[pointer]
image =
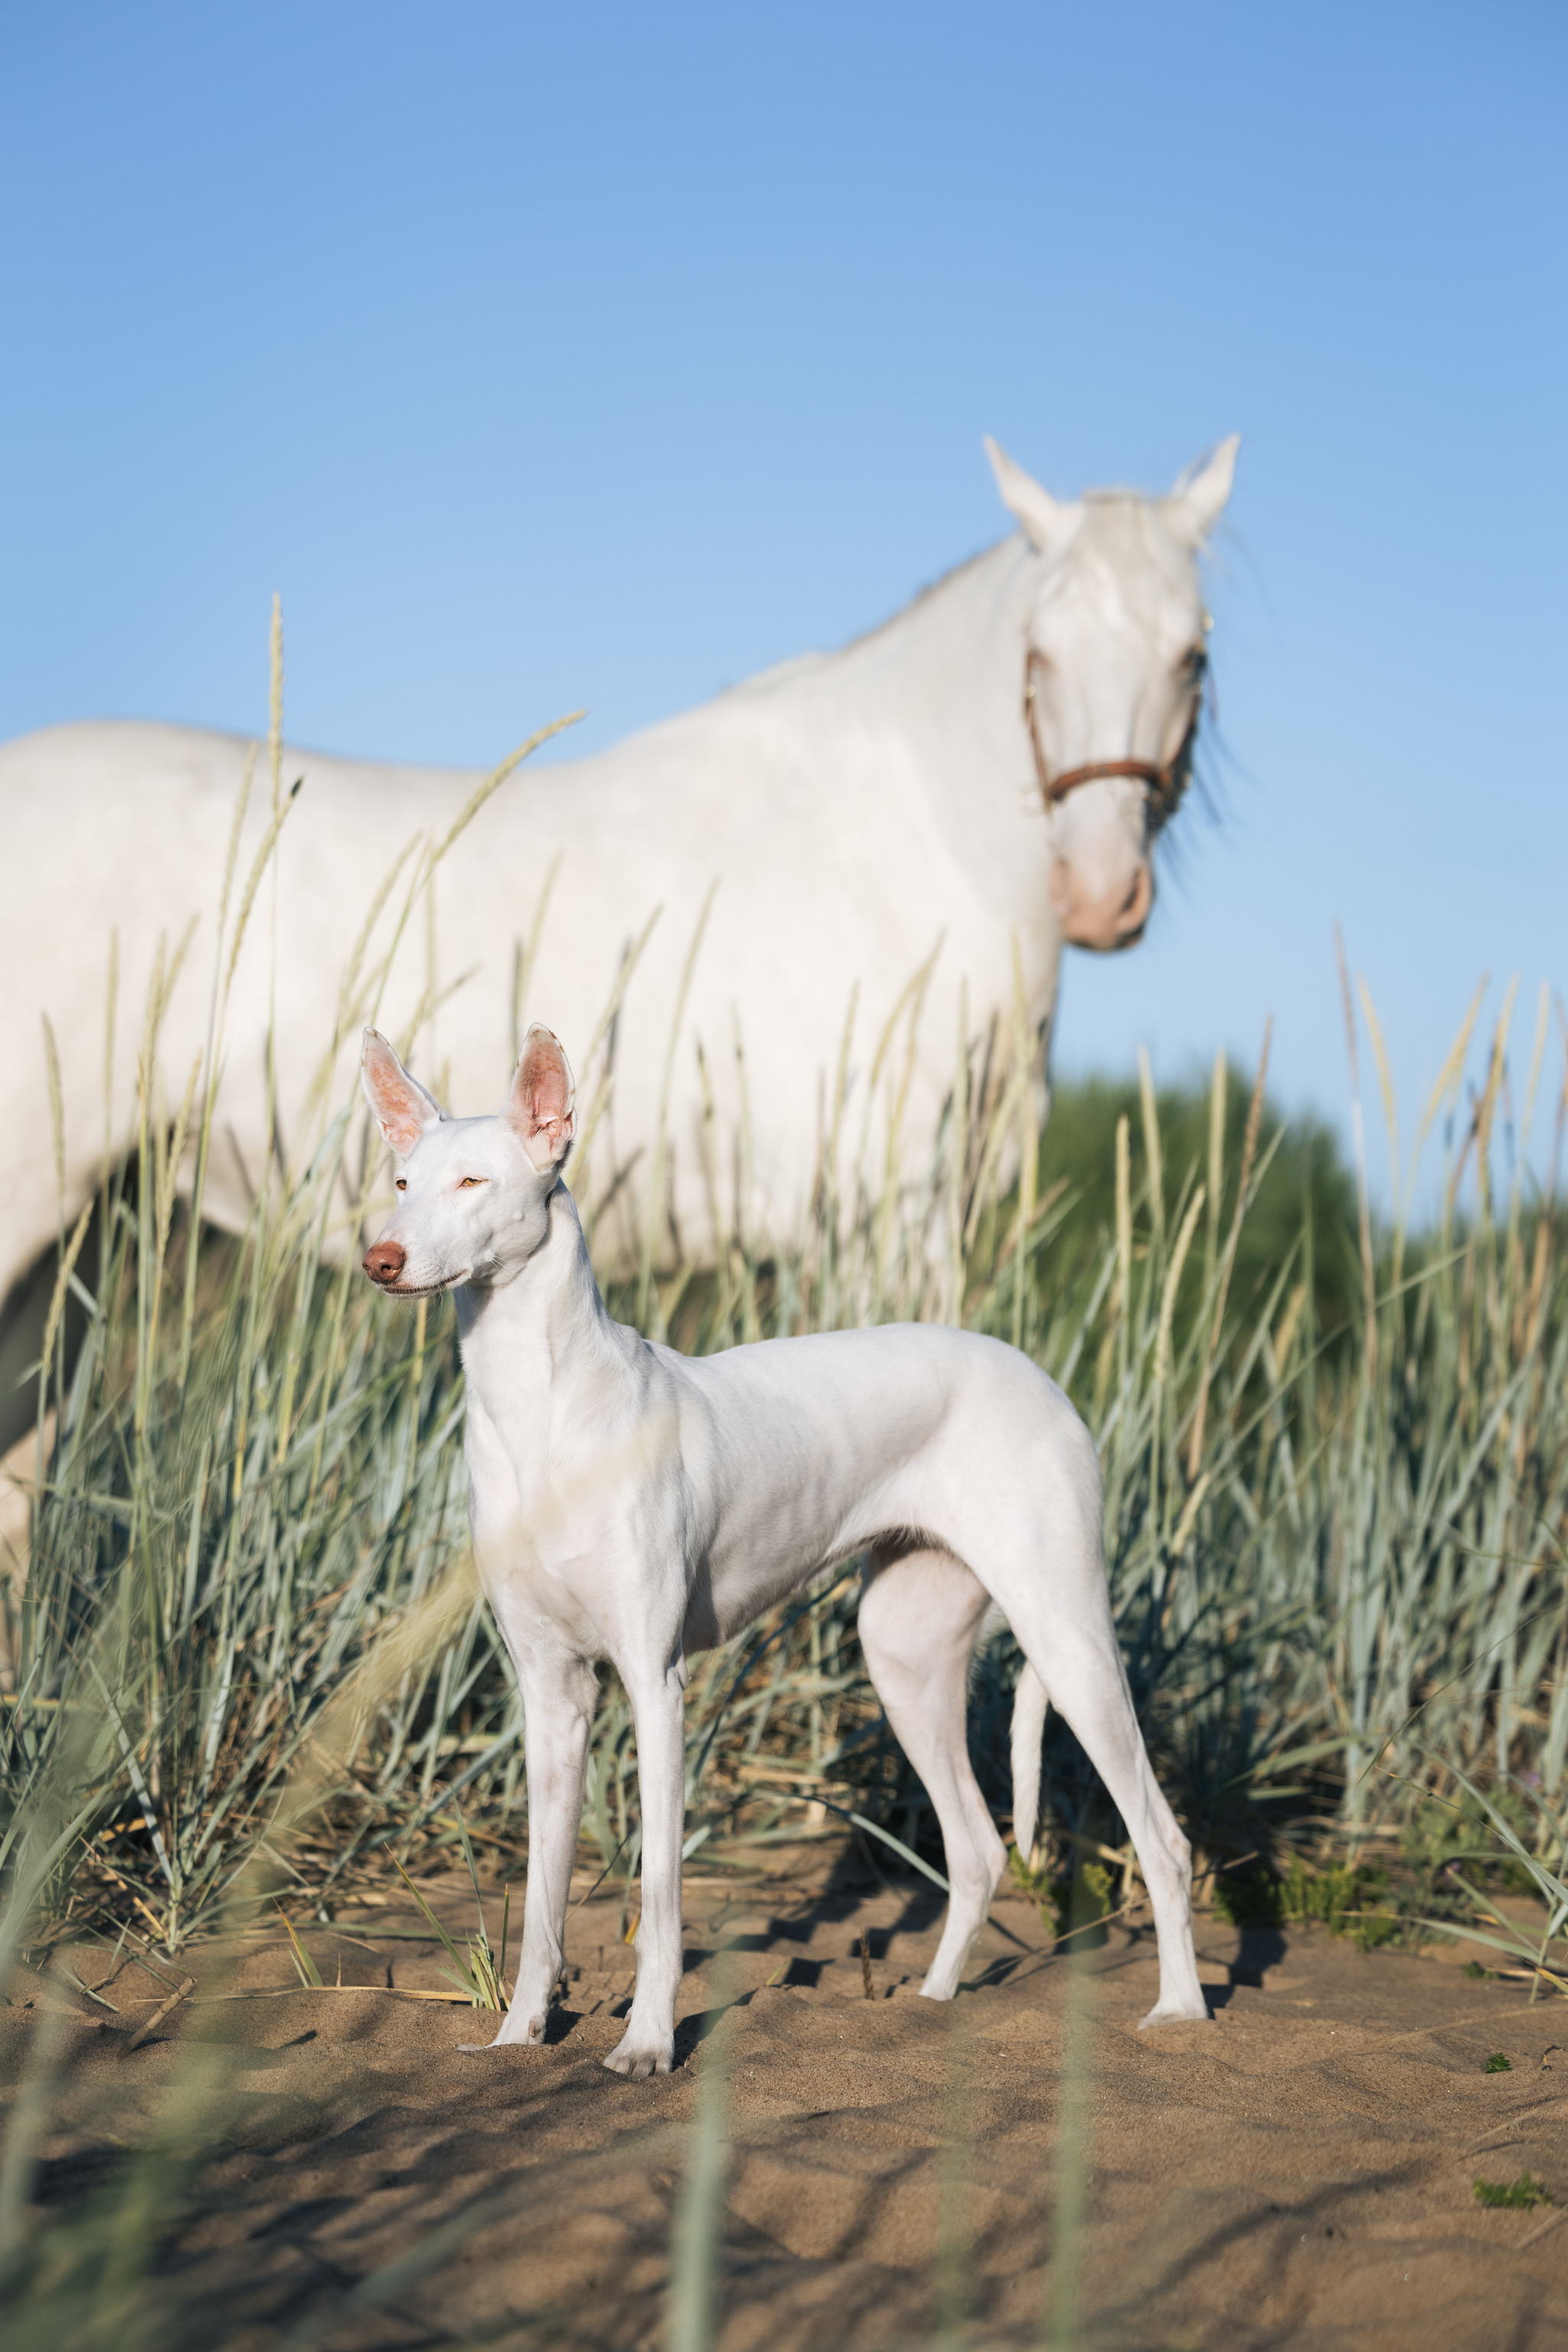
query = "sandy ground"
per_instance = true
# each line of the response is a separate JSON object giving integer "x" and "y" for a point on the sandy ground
{"x": 1298, "y": 2172}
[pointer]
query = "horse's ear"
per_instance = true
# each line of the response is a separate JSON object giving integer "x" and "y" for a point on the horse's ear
{"x": 540, "y": 1109}
{"x": 404, "y": 1111}
{"x": 1047, "y": 521}
{"x": 1198, "y": 499}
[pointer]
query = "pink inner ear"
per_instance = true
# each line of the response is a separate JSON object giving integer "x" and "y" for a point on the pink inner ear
{"x": 543, "y": 1088}
{"x": 400, "y": 1106}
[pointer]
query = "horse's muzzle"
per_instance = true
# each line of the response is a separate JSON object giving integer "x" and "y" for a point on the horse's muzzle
{"x": 1103, "y": 921}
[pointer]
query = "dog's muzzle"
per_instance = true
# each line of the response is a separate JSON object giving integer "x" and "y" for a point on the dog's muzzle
{"x": 385, "y": 1261}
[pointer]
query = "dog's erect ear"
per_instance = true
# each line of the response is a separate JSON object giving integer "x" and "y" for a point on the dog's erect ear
{"x": 539, "y": 1109}
{"x": 404, "y": 1111}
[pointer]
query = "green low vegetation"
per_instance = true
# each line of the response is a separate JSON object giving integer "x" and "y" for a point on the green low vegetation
{"x": 1521, "y": 2196}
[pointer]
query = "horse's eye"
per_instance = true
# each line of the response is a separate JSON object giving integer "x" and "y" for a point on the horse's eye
{"x": 1193, "y": 664}
{"x": 403, "y": 1184}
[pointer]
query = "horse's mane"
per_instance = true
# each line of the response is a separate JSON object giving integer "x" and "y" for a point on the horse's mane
{"x": 775, "y": 671}
{"x": 922, "y": 596}
{"x": 1114, "y": 535}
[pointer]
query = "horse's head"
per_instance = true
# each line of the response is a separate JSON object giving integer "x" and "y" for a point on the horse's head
{"x": 1113, "y": 676}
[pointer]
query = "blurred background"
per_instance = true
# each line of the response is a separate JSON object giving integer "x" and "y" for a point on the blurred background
{"x": 541, "y": 357}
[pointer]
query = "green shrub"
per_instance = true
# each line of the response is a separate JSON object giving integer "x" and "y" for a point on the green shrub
{"x": 1074, "y": 1901}
{"x": 1079, "y": 1901}
{"x": 1250, "y": 1899}
{"x": 1521, "y": 2195}
{"x": 1305, "y": 1178}
{"x": 1338, "y": 1896}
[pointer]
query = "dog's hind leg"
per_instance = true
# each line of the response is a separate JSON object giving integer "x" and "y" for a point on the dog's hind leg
{"x": 1088, "y": 1689}
{"x": 919, "y": 1613}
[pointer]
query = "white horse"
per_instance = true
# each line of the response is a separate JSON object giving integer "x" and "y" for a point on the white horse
{"x": 955, "y": 794}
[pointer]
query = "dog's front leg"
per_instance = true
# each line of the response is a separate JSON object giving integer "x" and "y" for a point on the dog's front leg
{"x": 558, "y": 1694}
{"x": 659, "y": 1704}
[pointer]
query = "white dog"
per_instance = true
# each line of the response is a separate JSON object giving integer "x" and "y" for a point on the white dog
{"x": 636, "y": 1505}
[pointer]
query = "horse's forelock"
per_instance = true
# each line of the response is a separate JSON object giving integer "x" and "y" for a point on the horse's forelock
{"x": 1124, "y": 537}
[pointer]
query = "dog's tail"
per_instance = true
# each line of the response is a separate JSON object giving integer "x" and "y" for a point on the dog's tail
{"x": 1030, "y": 1701}
{"x": 1031, "y": 1704}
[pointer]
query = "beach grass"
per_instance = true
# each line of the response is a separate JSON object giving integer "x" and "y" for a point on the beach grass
{"x": 248, "y": 1657}
{"x": 248, "y": 1664}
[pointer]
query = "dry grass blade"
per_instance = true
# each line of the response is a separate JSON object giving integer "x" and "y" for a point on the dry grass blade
{"x": 165, "y": 2009}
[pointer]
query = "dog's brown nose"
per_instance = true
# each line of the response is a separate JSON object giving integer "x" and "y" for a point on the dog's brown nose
{"x": 384, "y": 1261}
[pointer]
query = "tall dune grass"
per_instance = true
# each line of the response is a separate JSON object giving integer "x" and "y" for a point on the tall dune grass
{"x": 249, "y": 1656}
{"x": 248, "y": 1652}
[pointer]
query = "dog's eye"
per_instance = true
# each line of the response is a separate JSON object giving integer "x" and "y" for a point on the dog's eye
{"x": 403, "y": 1184}
{"x": 467, "y": 1183}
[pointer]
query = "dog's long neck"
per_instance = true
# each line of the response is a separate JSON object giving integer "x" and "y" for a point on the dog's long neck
{"x": 533, "y": 1345}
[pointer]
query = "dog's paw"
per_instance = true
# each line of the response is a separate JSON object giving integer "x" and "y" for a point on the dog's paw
{"x": 512, "y": 2030}
{"x": 1174, "y": 2015}
{"x": 638, "y": 2055}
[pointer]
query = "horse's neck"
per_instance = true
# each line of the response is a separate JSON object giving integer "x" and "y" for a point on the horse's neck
{"x": 928, "y": 710}
{"x": 946, "y": 673}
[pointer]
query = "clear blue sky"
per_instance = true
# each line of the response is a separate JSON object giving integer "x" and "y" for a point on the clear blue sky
{"x": 604, "y": 354}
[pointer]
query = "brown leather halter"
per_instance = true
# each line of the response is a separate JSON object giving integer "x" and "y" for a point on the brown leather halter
{"x": 1166, "y": 785}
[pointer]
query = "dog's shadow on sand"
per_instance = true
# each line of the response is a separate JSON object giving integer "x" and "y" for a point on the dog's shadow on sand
{"x": 1261, "y": 1948}
{"x": 849, "y": 1884}
{"x": 833, "y": 1905}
